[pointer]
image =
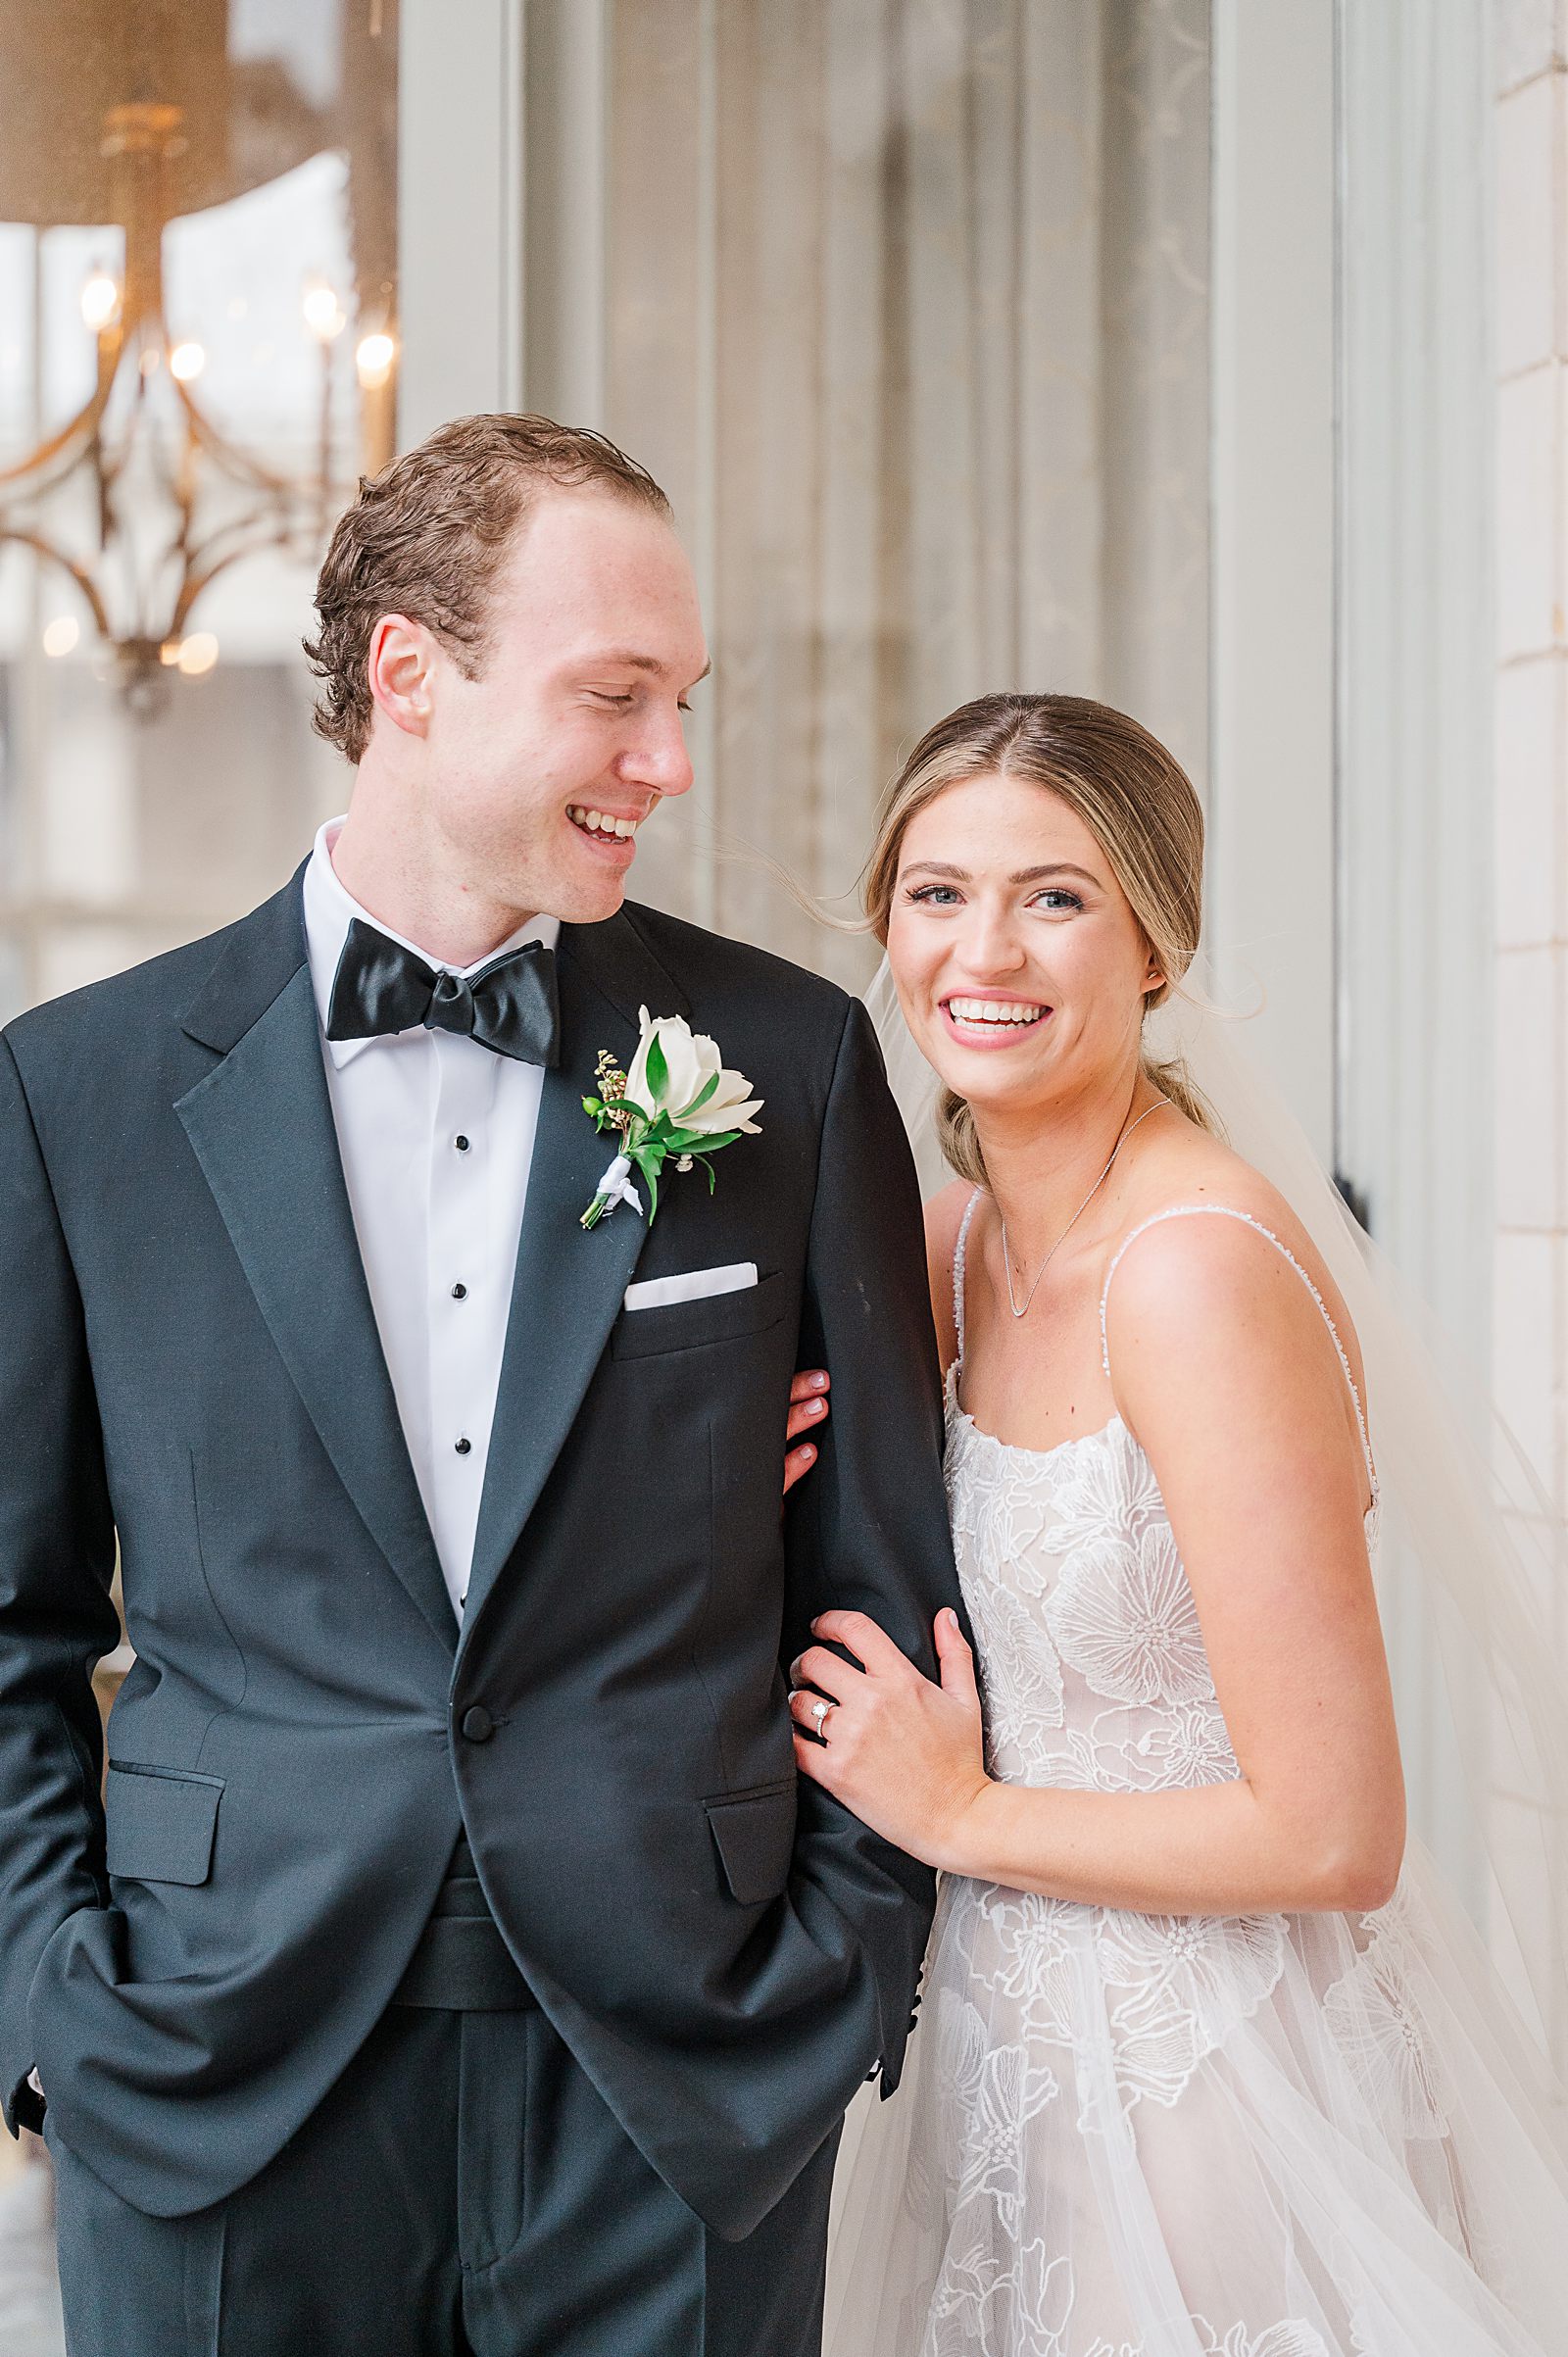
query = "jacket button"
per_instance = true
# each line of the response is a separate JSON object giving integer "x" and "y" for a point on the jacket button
{"x": 478, "y": 1724}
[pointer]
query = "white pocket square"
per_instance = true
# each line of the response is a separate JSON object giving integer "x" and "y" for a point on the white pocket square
{"x": 658, "y": 1293}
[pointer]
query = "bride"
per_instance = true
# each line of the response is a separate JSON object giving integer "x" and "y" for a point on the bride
{"x": 1206, "y": 2069}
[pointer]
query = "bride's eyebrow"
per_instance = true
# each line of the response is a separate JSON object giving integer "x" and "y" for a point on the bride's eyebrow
{"x": 1025, "y": 875}
{"x": 1055, "y": 867}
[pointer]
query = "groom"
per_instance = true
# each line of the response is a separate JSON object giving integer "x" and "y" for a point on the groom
{"x": 455, "y": 1963}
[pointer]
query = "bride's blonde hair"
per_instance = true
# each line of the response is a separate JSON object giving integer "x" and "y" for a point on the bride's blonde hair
{"x": 1134, "y": 797}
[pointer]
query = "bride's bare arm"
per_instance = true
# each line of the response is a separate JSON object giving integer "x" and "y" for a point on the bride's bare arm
{"x": 1227, "y": 1375}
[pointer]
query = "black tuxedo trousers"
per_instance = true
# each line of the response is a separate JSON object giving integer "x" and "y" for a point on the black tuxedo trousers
{"x": 189, "y": 1366}
{"x": 462, "y": 2190}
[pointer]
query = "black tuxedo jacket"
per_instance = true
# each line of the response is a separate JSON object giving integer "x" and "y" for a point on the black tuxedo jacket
{"x": 189, "y": 1363}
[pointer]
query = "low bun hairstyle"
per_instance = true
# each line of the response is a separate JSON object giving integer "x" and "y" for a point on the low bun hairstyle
{"x": 1135, "y": 799}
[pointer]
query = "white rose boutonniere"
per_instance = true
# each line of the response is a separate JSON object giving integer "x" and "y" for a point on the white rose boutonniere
{"x": 678, "y": 1098}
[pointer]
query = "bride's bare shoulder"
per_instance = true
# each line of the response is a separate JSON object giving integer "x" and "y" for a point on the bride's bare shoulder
{"x": 1212, "y": 1261}
{"x": 1190, "y": 1170}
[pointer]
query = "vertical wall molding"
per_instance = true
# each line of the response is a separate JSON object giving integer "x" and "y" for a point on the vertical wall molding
{"x": 1528, "y": 1103}
{"x": 1415, "y": 722}
{"x": 1414, "y": 628}
{"x": 1271, "y": 874}
{"x": 460, "y": 210}
{"x": 564, "y": 207}
{"x": 1530, "y": 1337}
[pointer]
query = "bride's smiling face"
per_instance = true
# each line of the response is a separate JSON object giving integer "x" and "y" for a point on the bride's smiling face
{"x": 1020, "y": 966}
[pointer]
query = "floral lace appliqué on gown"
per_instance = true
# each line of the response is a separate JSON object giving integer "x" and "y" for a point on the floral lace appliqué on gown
{"x": 1124, "y": 2134}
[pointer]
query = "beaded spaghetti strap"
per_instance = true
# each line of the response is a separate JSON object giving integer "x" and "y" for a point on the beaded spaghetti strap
{"x": 1226, "y": 1211}
{"x": 958, "y": 1252}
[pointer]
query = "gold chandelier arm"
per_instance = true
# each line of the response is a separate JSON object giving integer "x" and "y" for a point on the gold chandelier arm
{"x": 195, "y": 565}
{"x": 259, "y": 526}
{"x": 198, "y": 582}
{"x": 227, "y": 453}
{"x": 74, "y": 436}
{"x": 46, "y": 549}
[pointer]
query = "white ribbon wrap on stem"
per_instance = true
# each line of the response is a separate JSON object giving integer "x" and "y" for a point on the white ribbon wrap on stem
{"x": 616, "y": 1187}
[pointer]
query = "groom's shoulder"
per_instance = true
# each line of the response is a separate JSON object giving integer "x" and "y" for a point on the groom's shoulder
{"x": 132, "y": 1010}
{"x": 732, "y": 979}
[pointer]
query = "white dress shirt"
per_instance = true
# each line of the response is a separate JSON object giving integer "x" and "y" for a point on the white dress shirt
{"x": 436, "y": 1136}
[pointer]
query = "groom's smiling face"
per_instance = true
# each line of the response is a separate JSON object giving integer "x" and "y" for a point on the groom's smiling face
{"x": 542, "y": 769}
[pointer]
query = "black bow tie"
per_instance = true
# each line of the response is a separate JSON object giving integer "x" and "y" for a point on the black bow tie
{"x": 511, "y": 1005}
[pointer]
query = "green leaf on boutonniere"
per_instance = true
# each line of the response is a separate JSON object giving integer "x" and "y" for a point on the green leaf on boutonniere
{"x": 702, "y": 1095}
{"x": 658, "y": 1069}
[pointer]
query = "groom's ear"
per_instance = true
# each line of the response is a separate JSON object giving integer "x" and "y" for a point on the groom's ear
{"x": 400, "y": 666}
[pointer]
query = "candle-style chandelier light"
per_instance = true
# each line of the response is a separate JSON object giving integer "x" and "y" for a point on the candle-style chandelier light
{"x": 141, "y": 498}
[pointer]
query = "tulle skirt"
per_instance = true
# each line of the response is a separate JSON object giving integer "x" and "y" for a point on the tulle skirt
{"x": 1132, "y": 2135}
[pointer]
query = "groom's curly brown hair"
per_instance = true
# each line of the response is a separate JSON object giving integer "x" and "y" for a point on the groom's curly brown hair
{"x": 426, "y": 537}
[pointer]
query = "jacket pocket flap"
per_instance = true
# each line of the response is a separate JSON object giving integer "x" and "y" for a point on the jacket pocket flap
{"x": 756, "y": 1841}
{"x": 160, "y": 1823}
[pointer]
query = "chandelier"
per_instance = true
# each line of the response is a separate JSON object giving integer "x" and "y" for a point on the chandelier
{"x": 141, "y": 498}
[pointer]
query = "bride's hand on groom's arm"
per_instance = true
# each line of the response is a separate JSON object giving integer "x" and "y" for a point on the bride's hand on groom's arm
{"x": 905, "y": 1753}
{"x": 807, "y": 1409}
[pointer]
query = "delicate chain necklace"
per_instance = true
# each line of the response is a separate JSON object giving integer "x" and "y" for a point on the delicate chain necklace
{"x": 1007, "y": 1256}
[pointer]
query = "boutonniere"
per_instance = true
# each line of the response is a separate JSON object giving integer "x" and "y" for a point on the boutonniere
{"x": 678, "y": 1098}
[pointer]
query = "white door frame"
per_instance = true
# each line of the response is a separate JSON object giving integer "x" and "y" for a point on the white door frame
{"x": 1271, "y": 882}
{"x": 1350, "y": 806}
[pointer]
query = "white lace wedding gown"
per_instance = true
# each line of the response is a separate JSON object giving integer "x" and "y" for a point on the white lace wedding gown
{"x": 1152, "y": 2135}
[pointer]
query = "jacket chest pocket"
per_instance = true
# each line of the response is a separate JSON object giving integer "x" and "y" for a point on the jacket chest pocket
{"x": 161, "y": 1822}
{"x": 713, "y": 1319}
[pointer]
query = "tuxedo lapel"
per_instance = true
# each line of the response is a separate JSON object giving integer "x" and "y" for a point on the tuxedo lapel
{"x": 261, "y": 1126}
{"x": 568, "y": 1281}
